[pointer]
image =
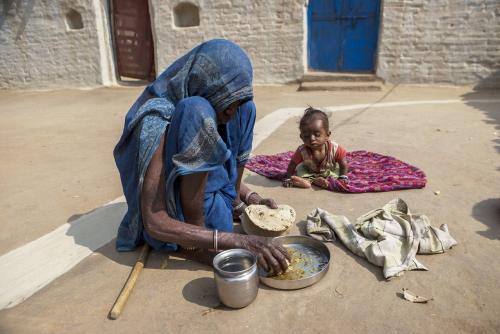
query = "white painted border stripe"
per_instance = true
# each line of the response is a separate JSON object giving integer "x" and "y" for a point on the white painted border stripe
{"x": 29, "y": 268}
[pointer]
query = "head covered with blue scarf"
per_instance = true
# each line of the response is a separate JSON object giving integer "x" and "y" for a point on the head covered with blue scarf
{"x": 182, "y": 105}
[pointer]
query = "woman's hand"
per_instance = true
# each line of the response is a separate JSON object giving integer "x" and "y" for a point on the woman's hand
{"x": 270, "y": 257}
{"x": 255, "y": 198}
{"x": 238, "y": 210}
{"x": 269, "y": 202}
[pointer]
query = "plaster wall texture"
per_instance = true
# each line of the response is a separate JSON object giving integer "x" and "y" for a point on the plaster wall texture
{"x": 39, "y": 51}
{"x": 270, "y": 31}
{"x": 440, "y": 41}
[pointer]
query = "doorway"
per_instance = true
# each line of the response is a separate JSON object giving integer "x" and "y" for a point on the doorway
{"x": 133, "y": 40}
{"x": 343, "y": 35}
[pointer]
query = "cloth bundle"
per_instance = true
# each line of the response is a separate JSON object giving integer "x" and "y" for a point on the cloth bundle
{"x": 389, "y": 237}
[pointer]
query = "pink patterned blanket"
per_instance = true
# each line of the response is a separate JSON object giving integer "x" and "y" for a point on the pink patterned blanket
{"x": 368, "y": 172}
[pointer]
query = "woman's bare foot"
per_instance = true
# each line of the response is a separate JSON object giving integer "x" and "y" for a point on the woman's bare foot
{"x": 321, "y": 182}
{"x": 300, "y": 182}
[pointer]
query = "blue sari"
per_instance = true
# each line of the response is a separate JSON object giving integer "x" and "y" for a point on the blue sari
{"x": 182, "y": 105}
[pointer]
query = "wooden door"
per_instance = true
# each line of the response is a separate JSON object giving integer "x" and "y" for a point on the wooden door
{"x": 133, "y": 39}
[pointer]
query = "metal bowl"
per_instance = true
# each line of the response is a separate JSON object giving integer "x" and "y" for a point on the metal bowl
{"x": 314, "y": 249}
{"x": 236, "y": 279}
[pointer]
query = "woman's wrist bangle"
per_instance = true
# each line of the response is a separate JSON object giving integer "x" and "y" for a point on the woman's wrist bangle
{"x": 238, "y": 206}
{"x": 216, "y": 240}
{"x": 343, "y": 177}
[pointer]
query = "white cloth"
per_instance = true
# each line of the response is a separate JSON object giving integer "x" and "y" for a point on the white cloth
{"x": 389, "y": 237}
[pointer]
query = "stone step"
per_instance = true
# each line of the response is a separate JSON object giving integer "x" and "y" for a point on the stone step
{"x": 316, "y": 76}
{"x": 340, "y": 86}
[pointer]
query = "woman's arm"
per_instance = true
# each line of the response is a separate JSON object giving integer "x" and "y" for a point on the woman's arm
{"x": 251, "y": 197}
{"x": 247, "y": 196}
{"x": 155, "y": 218}
{"x": 162, "y": 227}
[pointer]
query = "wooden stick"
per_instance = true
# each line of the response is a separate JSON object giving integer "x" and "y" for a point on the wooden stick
{"x": 129, "y": 284}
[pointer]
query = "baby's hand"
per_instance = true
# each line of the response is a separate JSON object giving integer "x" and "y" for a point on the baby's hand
{"x": 343, "y": 178}
{"x": 287, "y": 183}
{"x": 343, "y": 183}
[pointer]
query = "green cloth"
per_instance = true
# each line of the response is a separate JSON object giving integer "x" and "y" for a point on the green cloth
{"x": 389, "y": 237}
{"x": 305, "y": 173}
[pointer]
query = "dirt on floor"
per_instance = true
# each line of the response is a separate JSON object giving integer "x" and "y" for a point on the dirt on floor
{"x": 57, "y": 164}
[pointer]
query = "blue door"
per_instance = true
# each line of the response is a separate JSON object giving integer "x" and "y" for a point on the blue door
{"x": 342, "y": 34}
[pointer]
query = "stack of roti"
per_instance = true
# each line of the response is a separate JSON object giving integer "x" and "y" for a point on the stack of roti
{"x": 266, "y": 222}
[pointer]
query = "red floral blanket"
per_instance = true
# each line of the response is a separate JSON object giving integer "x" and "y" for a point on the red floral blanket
{"x": 368, "y": 172}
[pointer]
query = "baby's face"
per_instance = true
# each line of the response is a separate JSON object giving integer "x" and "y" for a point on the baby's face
{"x": 313, "y": 134}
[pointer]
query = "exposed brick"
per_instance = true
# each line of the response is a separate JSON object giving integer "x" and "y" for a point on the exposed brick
{"x": 421, "y": 41}
{"x": 456, "y": 41}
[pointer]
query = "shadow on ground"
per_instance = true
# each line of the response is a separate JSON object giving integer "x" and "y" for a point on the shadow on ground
{"x": 488, "y": 213}
{"x": 487, "y": 89}
{"x": 488, "y": 210}
{"x": 261, "y": 181}
{"x": 106, "y": 219}
{"x": 201, "y": 291}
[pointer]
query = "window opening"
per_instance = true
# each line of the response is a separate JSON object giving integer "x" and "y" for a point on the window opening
{"x": 74, "y": 20}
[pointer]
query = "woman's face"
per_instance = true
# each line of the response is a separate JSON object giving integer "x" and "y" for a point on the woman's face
{"x": 226, "y": 115}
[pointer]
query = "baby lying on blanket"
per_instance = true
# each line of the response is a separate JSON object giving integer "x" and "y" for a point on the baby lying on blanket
{"x": 319, "y": 158}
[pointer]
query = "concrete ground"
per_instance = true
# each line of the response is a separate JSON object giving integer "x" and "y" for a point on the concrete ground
{"x": 57, "y": 165}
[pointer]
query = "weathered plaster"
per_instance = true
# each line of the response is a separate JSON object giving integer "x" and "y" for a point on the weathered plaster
{"x": 270, "y": 31}
{"x": 39, "y": 51}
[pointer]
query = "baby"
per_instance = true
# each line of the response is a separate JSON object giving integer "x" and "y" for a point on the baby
{"x": 317, "y": 159}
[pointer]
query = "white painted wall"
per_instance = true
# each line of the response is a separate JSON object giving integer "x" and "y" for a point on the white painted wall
{"x": 270, "y": 31}
{"x": 39, "y": 51}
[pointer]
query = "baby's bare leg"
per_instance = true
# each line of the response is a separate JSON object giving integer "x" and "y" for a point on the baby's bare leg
{"x": 321, "y": 182}
{"x": 300, "y": 182}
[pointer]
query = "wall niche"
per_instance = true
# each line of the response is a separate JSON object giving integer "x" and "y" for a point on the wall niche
{"x": 186, "y": 15}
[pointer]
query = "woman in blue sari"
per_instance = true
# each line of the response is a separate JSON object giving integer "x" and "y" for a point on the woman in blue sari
{"x": 181, "y": 157}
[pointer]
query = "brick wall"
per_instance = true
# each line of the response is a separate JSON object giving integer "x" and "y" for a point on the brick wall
{"x": 440, "y": 41}
{"x": 421, "y": 41}
{"x": 37, "y": 50}
{"x": 270, "y": 31}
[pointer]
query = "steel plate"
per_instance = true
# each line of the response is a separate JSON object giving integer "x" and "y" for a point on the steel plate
{"x": 316, "y": 268}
